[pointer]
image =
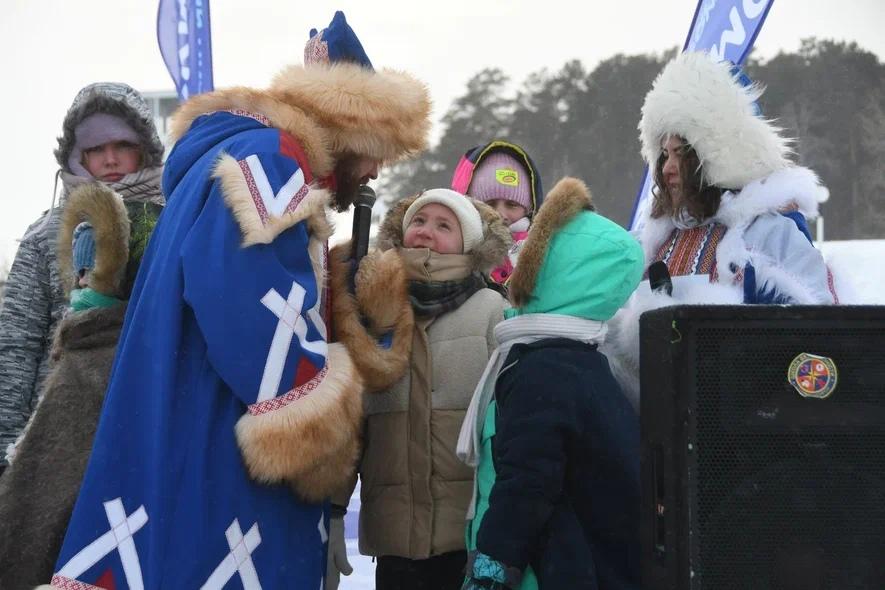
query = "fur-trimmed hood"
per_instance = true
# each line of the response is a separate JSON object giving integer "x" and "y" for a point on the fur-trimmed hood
{"x": 331, "y": 110}
{"x": 704, "y": 102}
{"x": 104, "y": 209}
{"x": 474, "y": 157}
{"x": 496, "y": 239}
{"x": 567, "y": 199}
{"x": 113, "y": 98}
{"x": 574, "y": 261}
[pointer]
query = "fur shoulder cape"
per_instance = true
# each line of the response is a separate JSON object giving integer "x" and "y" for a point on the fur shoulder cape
{"x": 335, "y": 109}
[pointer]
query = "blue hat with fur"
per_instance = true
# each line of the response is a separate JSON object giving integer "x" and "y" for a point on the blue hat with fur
{"x": 336, "y": 43}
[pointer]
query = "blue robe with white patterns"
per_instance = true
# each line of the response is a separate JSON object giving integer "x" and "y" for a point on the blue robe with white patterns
{"x": 215, "y": 330}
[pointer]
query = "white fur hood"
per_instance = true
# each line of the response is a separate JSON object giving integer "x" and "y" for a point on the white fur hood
{"x": 710, "y": 106}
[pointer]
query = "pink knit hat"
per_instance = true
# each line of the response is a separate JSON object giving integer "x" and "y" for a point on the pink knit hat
{"x": 501, "y": 176}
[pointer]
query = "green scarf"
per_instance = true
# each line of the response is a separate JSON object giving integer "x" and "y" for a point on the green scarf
{"x": 83, "y": 299}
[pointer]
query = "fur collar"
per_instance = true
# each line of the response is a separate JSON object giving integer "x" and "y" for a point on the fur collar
{"x": 569, "y": 197}
{"x": 791, "y": 187}
{"x": 485, "y": 256}
{"x": 331, "y": 110}
{"x": 104, "y": 209}
{"x": 283, "y": 116}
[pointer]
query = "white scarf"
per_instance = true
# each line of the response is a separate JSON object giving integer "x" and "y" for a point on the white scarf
{"x": 522, "y": 329}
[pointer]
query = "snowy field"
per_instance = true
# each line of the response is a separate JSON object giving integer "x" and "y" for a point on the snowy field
{"x": 863, "y": 261}
{"x": 363, "y": 576}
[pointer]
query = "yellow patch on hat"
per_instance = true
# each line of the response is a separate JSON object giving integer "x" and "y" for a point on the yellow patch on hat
{"x": 507, "y": 176}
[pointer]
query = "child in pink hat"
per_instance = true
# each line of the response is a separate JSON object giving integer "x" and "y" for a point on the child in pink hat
{"x": 502, "y": 175}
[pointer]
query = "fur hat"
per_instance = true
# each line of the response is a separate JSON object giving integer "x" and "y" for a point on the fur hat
{"x": 468, "y": 216}
{"x": 501, "y": 176}
{"x": 714, "y": 109}
{"x": 95, "y": 130}
{"x": 333, "y": 107}
{"x": 381, "y": 114}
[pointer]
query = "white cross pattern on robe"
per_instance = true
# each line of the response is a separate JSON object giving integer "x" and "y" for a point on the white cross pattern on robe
{"x": 290, "y": 322}
{"x": 275, "y": 203}
{"x": 119, "y": 538}
{"x": 239, "y": 560}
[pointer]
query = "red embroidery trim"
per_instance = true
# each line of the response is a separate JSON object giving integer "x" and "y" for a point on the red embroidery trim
{"x": 66, "y": 583}
{"x": 292, "y": 395}
{"x": 253, "y": 190}
{"x": 296, "y": 200}
{"x": 244, "y": 113}
{"x": 692, "y": 251}
{"x": 831, "y": 285}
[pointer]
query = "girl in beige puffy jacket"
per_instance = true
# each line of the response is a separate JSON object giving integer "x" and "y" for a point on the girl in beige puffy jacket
{"x": 415, "y": 492}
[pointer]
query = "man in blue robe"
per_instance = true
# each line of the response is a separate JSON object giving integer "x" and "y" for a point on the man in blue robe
{"x": 230, "y": 416}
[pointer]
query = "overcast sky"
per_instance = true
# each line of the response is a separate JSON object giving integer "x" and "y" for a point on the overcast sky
{"x": 52, "y": 48}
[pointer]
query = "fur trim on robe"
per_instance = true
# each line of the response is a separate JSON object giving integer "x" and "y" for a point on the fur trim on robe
{"x": 312, "y": 442}
{"x": 382, "y": 298}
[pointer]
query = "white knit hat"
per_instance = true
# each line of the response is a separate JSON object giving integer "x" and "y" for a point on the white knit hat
{"x": 461, "y": 206}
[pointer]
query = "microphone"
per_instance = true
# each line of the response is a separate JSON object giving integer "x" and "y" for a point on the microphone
{"x": 659, "y": 277}
{"x": 362, "y": 221}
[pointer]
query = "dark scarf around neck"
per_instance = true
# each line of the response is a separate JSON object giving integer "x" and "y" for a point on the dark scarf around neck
{"x": 439, "y": 283}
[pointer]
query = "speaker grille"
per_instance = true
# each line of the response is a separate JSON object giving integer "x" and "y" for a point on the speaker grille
{"x": 792, "y": 491}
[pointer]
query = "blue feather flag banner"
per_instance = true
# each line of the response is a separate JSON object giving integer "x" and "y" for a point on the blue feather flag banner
{"x": 185, "y": 40}
{"x": 726, "y": 29}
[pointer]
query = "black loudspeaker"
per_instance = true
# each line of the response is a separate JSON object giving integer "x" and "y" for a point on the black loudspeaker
{"x": 763, "y": 448}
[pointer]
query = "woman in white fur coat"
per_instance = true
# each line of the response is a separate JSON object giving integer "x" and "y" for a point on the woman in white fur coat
{"x": 729, "y": 209}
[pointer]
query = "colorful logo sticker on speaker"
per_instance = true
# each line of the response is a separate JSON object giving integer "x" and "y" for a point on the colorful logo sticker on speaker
{"x": 813, "y": 376}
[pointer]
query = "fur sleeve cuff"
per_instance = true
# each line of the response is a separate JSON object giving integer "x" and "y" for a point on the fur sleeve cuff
{"x": 382, "y": 298}
{"x": 312, "y": 441}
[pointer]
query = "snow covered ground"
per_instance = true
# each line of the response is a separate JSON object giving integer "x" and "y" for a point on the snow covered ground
{"x": 862, "y": 261}
{"x": 363, "y": 576}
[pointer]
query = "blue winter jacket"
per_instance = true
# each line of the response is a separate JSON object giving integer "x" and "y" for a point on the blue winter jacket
{"x": 566, "y": 495}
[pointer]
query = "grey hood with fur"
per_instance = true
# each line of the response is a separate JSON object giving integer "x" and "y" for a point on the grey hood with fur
{"x": 114, "y": 98}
